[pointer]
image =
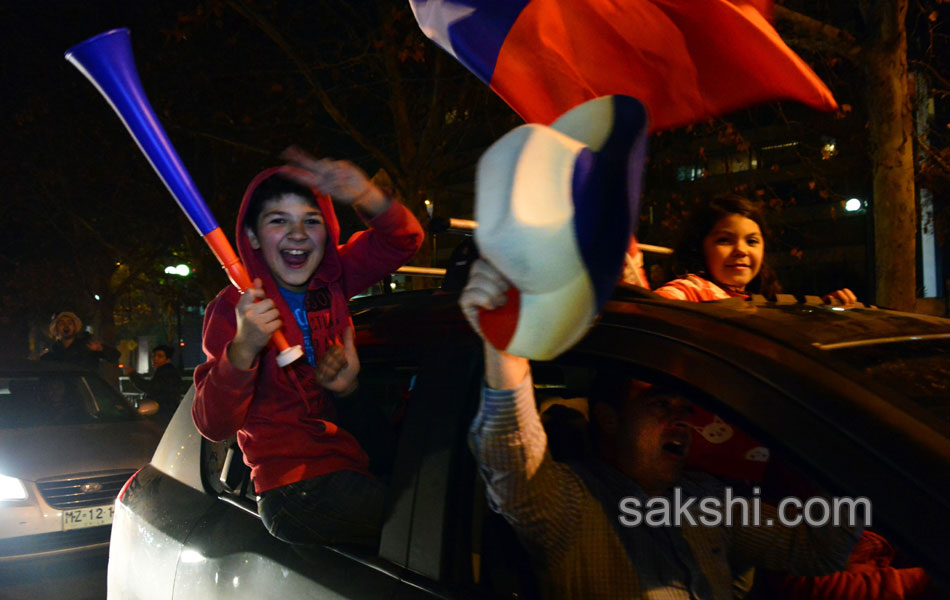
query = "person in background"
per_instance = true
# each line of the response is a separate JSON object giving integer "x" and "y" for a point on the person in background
{"x": 722, "y": 255}
{"x": 76, "y": 346}
{"x": 164, "y": 387}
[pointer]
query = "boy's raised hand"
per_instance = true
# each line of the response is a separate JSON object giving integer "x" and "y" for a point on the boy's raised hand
{"x": 340, "y": 179}
{"x": 257, "y": 319}
{"x": 338, "y": 368}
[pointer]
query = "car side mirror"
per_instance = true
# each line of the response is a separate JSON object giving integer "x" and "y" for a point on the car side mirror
{"x": 147, "y": 408}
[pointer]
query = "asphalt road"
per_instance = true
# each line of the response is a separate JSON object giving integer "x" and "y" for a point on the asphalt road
{"x": 63, "y": 579}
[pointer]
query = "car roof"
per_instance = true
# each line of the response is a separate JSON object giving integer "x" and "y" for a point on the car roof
{"x": 802, "y": 348}
{"x": 22, "y": 365}
{"x": 800, "y": 323}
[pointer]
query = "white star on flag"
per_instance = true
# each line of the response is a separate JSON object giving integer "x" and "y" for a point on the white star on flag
{"x": 435, "y": 17}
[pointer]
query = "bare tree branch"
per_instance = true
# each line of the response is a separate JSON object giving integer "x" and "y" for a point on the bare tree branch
{"x": 813, "y": 34}
{"x": 933, "y": 155}
{"x": 435, "y": 116}
{"x": 405, "y": 140}
{"x": 933, "y": 73}
{"x": 264, "y": 25}
{"x": 221, "y": 140}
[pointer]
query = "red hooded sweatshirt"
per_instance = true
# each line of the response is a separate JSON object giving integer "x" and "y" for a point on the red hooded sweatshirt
{"x": 287, "y": 436}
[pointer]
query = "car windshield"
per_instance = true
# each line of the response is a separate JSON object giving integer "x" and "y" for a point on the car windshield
{"x": 49, "y": 399}
{"x": 918, "y": 370}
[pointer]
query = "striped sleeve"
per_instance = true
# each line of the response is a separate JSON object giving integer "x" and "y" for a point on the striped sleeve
{"x": 538, "y": 496}
{"x": 672, "y": 291}
{"x": 798, "y": 550}
{"x": 693, "y": 289}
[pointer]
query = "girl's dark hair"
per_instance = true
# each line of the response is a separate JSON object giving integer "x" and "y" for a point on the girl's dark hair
{"x": 269, "y": 189}
{"x": 689, "y": 257}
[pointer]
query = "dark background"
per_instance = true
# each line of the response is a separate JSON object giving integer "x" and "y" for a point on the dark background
{"x": 236, "y": 81}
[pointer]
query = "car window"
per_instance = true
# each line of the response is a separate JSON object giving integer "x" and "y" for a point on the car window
{"x": 373, "y": 415}
{"x": 724, "y": 451}
{"x": 42, "y": 400}
{"x": 501, "y": 564}
{"x": 918, "y": 370}
{"x": 107, "y": 403}
{"x": 224, "y": 469}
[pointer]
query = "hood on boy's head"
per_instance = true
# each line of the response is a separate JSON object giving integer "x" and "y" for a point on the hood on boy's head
{"x": 330, "y": 267}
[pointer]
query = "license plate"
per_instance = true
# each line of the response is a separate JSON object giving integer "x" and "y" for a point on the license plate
{"x": 88, "y": 517}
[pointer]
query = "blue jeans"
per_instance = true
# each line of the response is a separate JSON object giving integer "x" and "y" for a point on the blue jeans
{"x": 343, "y": 507}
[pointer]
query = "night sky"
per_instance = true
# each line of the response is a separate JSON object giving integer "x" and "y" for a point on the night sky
{"x": 80, "y": 196}
{"x": 230, "y": 98}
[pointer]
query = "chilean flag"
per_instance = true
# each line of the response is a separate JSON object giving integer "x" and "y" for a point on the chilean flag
{"x": 686, "y": 60}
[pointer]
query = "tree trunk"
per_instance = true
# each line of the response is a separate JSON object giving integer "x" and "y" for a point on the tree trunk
{"x": 892, "y": 159}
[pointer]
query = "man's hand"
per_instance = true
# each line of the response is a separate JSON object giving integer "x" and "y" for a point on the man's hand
{"x": 338, "y": 368}
{"x": 94, "y": 345}
{"x": 257, "y": 319}
{"x": 341, "y": 179}
{"x": 842, "y": 296}
{"x": 486, "y": 290}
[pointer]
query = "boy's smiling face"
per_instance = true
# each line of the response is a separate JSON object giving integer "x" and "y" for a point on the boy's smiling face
{"x": 291, "y": 234}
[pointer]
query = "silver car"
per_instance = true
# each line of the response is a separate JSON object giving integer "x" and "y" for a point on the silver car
{"x": 68, "y": 443}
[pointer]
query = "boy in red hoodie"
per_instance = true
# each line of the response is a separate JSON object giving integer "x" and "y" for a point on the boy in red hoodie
{"x": 310, "y": 475}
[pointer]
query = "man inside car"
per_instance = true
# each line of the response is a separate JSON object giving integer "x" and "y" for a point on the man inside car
{"x": 570, "y": 516}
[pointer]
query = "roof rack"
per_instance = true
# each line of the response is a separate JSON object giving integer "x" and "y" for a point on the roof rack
{"x": 467, "y": 227}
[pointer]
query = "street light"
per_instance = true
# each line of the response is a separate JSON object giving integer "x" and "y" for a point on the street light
{"x": 181, "y": 270}
{"x": 853, "y": 205}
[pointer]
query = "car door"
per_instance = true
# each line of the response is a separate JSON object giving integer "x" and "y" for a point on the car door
{"x": 425, "y": 388}
{"x": 228, "y": 553}
{"x": 439, "y": 506}
{"x": 819, "y": 417}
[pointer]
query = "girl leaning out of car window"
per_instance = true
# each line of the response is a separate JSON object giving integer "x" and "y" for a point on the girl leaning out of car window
{"x": 722, "y": 255}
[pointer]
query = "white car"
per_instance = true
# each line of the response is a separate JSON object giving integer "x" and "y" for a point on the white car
{"x": 68, "y": 443}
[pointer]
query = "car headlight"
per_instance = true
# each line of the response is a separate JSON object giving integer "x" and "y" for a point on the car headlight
{"x": 11, "y": 488}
